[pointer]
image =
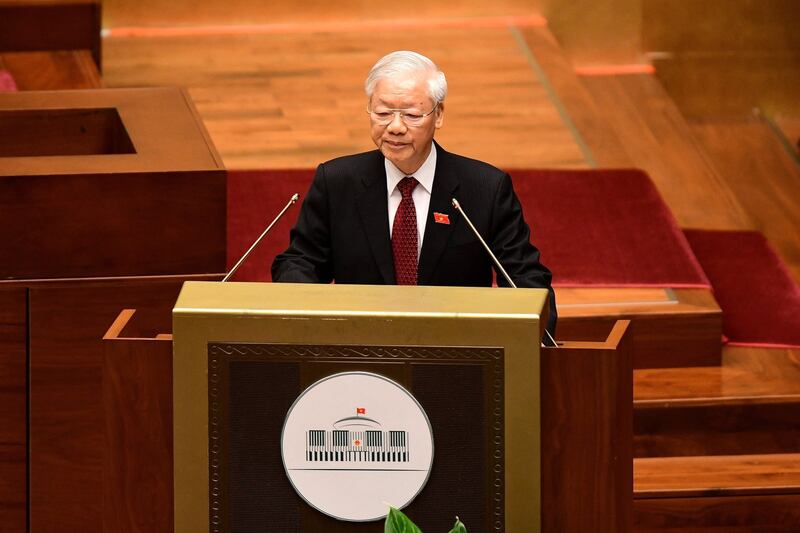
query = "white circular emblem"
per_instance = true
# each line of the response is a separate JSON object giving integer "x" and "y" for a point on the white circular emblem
{"x": 354, "y": 442}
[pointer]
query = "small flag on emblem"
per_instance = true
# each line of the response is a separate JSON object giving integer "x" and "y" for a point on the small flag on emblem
{"x": 441, "y": 218}
{"x": 357, "y": 443}
{"x": 361, "y": 411}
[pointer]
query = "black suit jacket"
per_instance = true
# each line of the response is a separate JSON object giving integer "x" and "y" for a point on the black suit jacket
{"x": 342, "y": 232}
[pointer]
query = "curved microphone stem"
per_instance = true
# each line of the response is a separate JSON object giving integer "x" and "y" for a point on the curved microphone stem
{"x": 488, "y": 250}
{"x": 292, "y": 200}
{"x": 494, "y": 258}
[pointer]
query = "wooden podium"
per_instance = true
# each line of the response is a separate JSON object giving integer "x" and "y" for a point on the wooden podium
{"x": 564, "y": 426}
{"x": 243, "y": 353}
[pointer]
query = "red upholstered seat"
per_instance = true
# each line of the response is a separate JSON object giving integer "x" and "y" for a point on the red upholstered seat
{"x": 593, "y": 227}
{"x": 7, "y": 82}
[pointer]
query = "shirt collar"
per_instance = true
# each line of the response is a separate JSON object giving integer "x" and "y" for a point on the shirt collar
{"x": 424, "y": 174}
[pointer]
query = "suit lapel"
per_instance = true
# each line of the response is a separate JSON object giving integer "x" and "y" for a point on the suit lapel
{"x": 445, "y": 183}
{"x": 373, "y": 209}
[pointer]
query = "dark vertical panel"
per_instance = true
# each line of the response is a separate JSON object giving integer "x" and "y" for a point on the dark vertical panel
{"x": 261, "y": 498}
{"x": 84, "y": 225}
{"x": 13, "y": 424}
{"x": 587, "y": 439}
{"x": 137, "y": 459}
{"x": 453, "y": 397}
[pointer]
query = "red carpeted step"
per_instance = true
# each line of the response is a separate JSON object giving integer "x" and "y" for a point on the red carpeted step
{"x": 606, "y": 228}
{"x": 759, "y": 299}
{"x": 593, "y": 227}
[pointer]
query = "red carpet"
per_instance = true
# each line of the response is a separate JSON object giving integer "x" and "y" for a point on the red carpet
{"x": 593, "y": 227}
{"x": 7, "y": 82}
{"x": 759, "y": 299}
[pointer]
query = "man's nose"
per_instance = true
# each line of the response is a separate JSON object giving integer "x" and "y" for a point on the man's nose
{"x": 396, "y": 125}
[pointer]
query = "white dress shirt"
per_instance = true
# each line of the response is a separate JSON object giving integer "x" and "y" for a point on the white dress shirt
{"x": 421, "y": 194}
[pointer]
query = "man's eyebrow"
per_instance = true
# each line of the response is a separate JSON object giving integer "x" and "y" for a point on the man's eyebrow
{"x": 383, "y": 103}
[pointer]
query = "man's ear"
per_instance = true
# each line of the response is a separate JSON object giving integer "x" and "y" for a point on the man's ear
{"x": 439, "y": 115}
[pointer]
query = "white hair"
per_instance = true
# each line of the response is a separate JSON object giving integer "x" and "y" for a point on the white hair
{"x": 406, "y": 62}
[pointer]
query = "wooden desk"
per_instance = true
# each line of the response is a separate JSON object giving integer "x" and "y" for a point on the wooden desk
{"x": 106, "y": 197}
{"x": 108, "y": 182}
{"x": 46, "y": 25}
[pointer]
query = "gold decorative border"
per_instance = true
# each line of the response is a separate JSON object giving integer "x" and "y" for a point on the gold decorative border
{"x": 221, "y": 354}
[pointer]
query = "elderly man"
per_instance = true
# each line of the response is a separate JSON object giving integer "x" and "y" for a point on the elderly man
{"x": 385, "y": 216}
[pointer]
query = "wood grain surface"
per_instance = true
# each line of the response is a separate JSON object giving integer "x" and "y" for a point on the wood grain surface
{"x": 586, "y": 427}
{"x": 731, "y": 514}
{"x": 293, "y": 100}
{"x": 55, "y": 70}
{"x": 655, "y": 477}
{"x": 681, "y": 328}
{"x": 13, "y": 408}
{"x": 763, "y": 176}
{"x": 67, "y": 425}
{"x": 50, "y": 25}
{"x": 790, "y": 128}
{"x": 137, "y": 453}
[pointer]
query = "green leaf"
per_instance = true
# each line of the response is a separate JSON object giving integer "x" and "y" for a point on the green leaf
{"x": 459, "y": 527}
{"x": 397, "y": 522}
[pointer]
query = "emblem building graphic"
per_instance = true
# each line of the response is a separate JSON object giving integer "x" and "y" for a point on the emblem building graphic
{"x": 358, "y": 430}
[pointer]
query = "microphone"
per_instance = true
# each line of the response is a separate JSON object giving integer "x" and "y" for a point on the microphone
{"x": 494, "y": 258}
{"x": 292, "y": 200}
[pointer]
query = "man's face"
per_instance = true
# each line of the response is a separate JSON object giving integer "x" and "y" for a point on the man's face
{"x": 404, "y": 145}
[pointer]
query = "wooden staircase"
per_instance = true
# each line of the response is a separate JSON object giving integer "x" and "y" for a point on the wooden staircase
{"x": 716, "y": 444}
{"x": 719, "y": 447}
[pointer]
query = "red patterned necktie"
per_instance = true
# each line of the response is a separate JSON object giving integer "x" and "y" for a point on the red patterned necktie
{"x": 404, "y": 235}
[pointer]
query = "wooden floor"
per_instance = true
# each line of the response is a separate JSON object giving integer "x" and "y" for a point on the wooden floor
{"x": 294, "y": 99}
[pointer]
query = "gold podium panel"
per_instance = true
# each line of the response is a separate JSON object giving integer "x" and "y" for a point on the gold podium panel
{"x": 243, "y": 352}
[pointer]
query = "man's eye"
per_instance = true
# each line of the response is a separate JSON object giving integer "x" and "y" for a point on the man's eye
{"x": 413, "y": 116}
{"x": 383, "y": 114}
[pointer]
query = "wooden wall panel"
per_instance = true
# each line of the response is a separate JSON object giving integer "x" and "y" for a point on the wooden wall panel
{"x": 587, "y": 421}
{"x": 112, "y": 225}
{"x": 67, "y": 324}
{"x": 137, "y": 461}
{"x": 13, "y": 409}
{"x": 593, "y": 32}
{"x": 50, "y": 25}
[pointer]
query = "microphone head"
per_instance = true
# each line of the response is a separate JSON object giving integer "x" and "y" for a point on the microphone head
{"x": 456, "y": 204}
{"x": 294, "y": 198}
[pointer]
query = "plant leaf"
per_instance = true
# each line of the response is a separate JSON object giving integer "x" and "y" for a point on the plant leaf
{"x": 398, "y": 522}
{"x": 459, "y": 527}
